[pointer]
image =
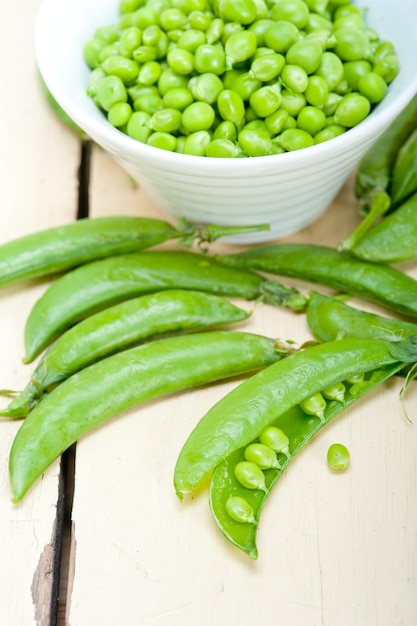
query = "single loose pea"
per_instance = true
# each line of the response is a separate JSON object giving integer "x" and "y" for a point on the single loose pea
{"x": 138, "y": 126}
{"x": 110, "y": 91}
{"x": 255, "y": 142}
{"x": 281, "y": 35}
{"x": 198, "y": 116}
{"x": 196, "y": 143}
{"x": 119, "y": 114}
{"x": 294, "y": 11}
{"x": 250, "y": 475}
{"x": 240, "y": 46}
{"x": 267, "y": 67}
{"x": 206, "y": 87}
{"x": 265, "y": 100}
{"x": 275, "y": 438}
{"x": 210, "y": 58}
{"x": 338, "y": 457}
{"x": 315, "y": 405}
{"x": 311, "y": 119}
{"x": 373, "y": 87}
{"x": 261, "y": 455}
{"x": 294, "y": 78}
{"x": 231, "y": 106}
{"x": 352, "y": 109}
{"x": 126, "y": 69}
{"x": 240, "y": 510}
{"x": 222, "y": 148}
{"x": 335, "y": 392}
{"x": 383, "y": 49}
{"x": 305, "y": 53}
{"x": 164, "y": 141}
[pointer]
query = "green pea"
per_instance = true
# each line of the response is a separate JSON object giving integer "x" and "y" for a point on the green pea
{"x": 281, "y": 35}
{"x": 290, "y": 122}
{"x": 166, "y": 120}
{"x": 383, "y": 49}
{"x": 331, "y": 103}
{"x": 215, "y": 30}
{"x": 311, "y": 119}
{"x": 209, "y": 58}
{"x": 110, "y": 91}
{"x": 91, "y": 52}
{"x": 139, "y": 89}
{"x": 198, "y": 116}
{"x": 119, "y": 114}
{"x": 259, "y": 27}
{"x": 125, "y": 20}
{"x": 352, "y": 109}
{"x": 231, "y": 106}
{"x": 353, "y": 21}
{"x": 338, "y": 457}
{"x": 149, "y": 103}
{"x": 317, "y": 91}
{"x": 206, "y": 87}
{"x": 142, "y": 54}
{"x": 324, "y": 135}
{"x": 95, "y": 78}
{"x": 335, "y": 392}
{"x": 222, "y": 148}
{"x": 337, "y": 129}
{"x": 126, "y": 69}
{"x": 144, "y": 17}
{"x": 250, "y": 475}
{"x": 178, "y": 98}
{"x": 305, "y": 53}
{"x": 315, "y": 405}
{"x": 356, "y": 378}
{"x": 373, "y": 87}
{"x": 245, "y": 84}
{"x": 180, "y": 61}
{"x": 294, "y": 78}
{"x": 294, "y": 11}
{"x": 164, "y": 141}
{"x": 351, "y": 45}
{"x": 230, "y": 28}
{"x": 173, "y": 19}
{"x": 130, "y": 40}
{"x": 150, "y": 72}
{"x": 128, "y": 6}
{"x": 138, "y": 126}
{"x": 331, "y": 69}
{"x": 292, "y": 102}
{"x": 171, "y": 80}
{"x": 276, "y": 439}
{"x": 265, "y": 100}
{"x": 240, "y": 46}
{"x": 261, "y": 455}
{"x": 196, "y": 143}
{"x": 225, "y": 130}
{"x": 268, "y": 67}
{"x": 255, "y": 142}
{"x": 318, "y": 22}
{"x": 240, "y": 510}
{"x": 110, "y": 50}
{"x": 354, "y": 70}
{"x": 239, "y": 11}
{"x": 199, "y": 20}
{"x": 191, "y": 39}
{"x": 295, "y": 139}
{"x": 275, "y": 123}
{"x": 387, "y": 67}
{"x": 107, "y": 33}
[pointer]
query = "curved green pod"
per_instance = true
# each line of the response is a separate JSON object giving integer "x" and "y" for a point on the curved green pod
{"x": 125, "y": 380}
{"x": 384, "y": 285}
{"x": 100, "y": 284}
{"x": 120, "y": 327}
{"x": 300, "y": 429}
{"x": 239, "y": 417}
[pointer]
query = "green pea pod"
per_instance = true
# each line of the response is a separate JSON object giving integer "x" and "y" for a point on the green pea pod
{"x": 102, "y": 283}
{"x": 404, "y": 171}
{"x": 329, "y": 319}
{"x": 122, "y": 381}
{"x": 120, "y": 327}
{"x": 378, "y": 283}
{"x": 299, "y": 429}
{"x": 374, "y": 173}
{"x": 56, "y": 249}
{"x": 394, "y": 238}
{"x": 240, "y": 416}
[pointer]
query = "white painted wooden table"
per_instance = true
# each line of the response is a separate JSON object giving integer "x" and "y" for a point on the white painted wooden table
{"x": 333, "y": 549}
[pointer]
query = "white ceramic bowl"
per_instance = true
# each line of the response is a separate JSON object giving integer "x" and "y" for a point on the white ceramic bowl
{"x": 288, "y": 191}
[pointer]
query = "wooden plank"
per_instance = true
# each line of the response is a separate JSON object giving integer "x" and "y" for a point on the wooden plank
{"x": 38, "y": 189}
{"x": 334, "y": 549}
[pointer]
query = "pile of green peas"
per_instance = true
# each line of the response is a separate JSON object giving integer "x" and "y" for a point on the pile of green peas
{"x": 238, "y": 78}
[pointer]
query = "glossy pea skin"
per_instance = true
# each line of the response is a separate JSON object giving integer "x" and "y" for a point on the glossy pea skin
{"x": 265, "y": 100}
{"x": 250, "y": 475}
{"x": 110, "y": 91}
{"x": 294, "y": 11}
{"x": 120, "y": 327}
{"x": 209, "y": 58}
{"x": 255, "y": 142}
{"x": 261, "y": 455}
{"x": 295, "y": 139}
{"x": 352, "y": 109}
{"x": 239, "y": 510}
{"x": 331, "y": 69}
{"x": 387, "y": 286}
{"x": 306, "y": 54}
{"x": 97, "y": 285}
{"x": 222, "y": 148}
{"x": 231, "y": 106}
{"x": 166, "y": 120}
{"x": 206, "y": 87}
{"x": 138, "y": 126}
{"x": 238, "y": 11}
{"x": 198, "y": 116}
{"x": 338, "y": 457}
{"x": 281, "y": 35}
{"x": 311, "y": 119}
{"x": 373, "y": 87}
{"x": 105, "y": 389}
{"x": 196, "y": 143}
{"x": 240, "y": 46}
{"x": 237, "y": 419}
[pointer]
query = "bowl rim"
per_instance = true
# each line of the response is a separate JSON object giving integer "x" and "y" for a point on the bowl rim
{"x": 119, "y": 143}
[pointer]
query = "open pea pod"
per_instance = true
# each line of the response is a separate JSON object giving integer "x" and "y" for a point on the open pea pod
{"x": 237, "y": 508}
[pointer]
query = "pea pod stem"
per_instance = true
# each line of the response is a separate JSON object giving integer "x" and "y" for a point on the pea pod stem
{"x": 100, "y": 284}
{"x": 379, "y": 204}
{"x": 64, "y": 247}
{"x": 240, "y": 416}
{"x": 387, "y": 286}
{"x": 120, "y": 327}
{"x": 105, "y": 389}
{"x": 300, "y": 430}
